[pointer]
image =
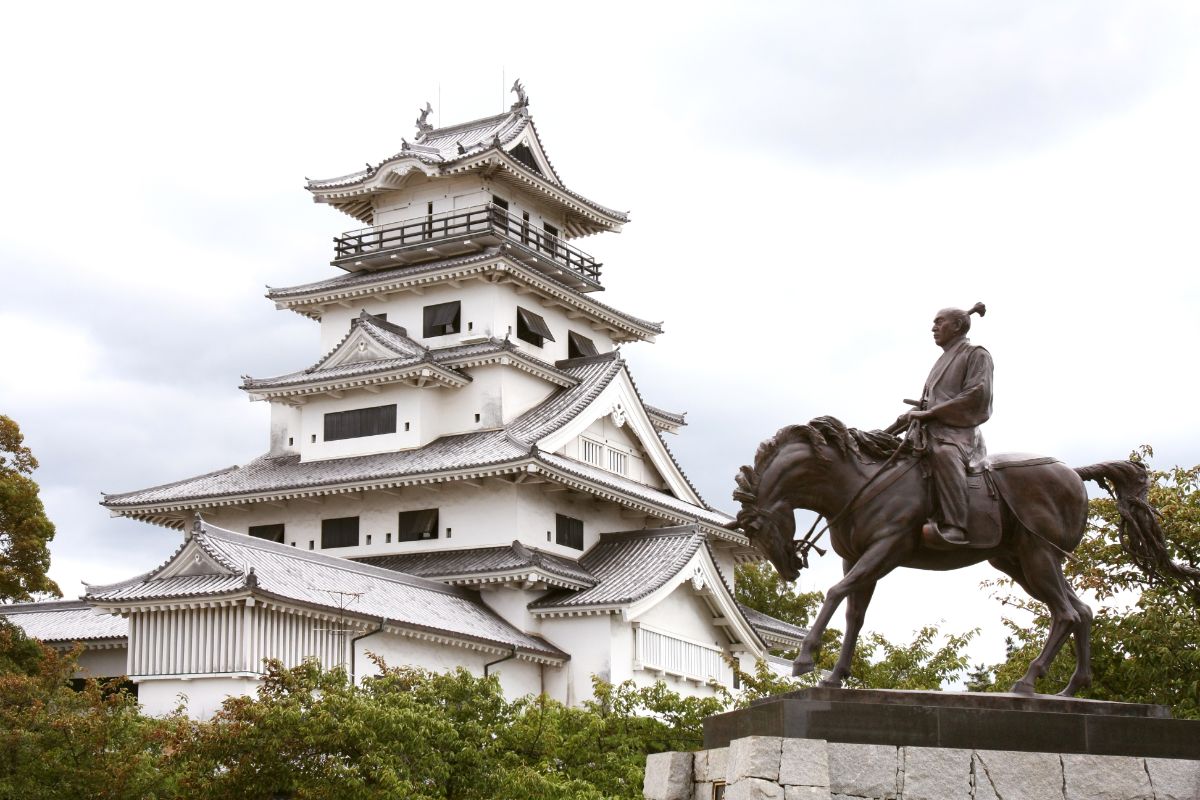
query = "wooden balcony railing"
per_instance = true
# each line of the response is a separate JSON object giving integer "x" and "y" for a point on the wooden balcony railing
{"x": 476, "y": 221}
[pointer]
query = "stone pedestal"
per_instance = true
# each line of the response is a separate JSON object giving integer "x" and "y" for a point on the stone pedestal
{"x": 837, "y": 744}
{"x": 777, "y": 768}
{"x": 970, "y": 720}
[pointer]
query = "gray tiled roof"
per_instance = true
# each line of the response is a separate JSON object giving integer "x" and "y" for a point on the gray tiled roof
{"x": 283, "y": 473}
{"x": 404, "y": 353}
{"x": 366, "y": 280}
{"x": 632, "y": 487}
{"x": 593, "y": 373}
{"x": 629, "y": 566}
{"x": 65, "y": 621}
{"x": 310, "y": 578}
{"x": 769, "y": 627}
{"x": 504, "y": 560}
{"x": 440, "y": 147}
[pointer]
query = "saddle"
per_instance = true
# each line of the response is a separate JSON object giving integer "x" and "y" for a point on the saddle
{"x": 985, "y": 494}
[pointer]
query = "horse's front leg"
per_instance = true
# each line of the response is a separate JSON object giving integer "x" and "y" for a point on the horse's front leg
{"x": 879, "y": 559}
{"x": 856, "y": 612}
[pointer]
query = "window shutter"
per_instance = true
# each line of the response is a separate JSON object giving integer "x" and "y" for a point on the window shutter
{"x": 580, "y": 346}
{"x": 535, "y": 323}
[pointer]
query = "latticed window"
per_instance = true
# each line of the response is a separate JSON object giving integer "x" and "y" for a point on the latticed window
{"x": 360, "y": 422}
{"x": 570, "y": 531}
{"x": 618, "y": 462}
{"x": 593, "y": 453}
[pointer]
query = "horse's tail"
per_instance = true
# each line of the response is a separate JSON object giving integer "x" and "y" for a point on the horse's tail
{"x": 1141, "y": 536}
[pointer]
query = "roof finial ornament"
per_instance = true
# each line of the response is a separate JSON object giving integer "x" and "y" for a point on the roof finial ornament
{"x": 197, "y": 525}
{"x": 423, "y": 126}
{"x": 251, "y": 579}
{"x": 522, "y": 98}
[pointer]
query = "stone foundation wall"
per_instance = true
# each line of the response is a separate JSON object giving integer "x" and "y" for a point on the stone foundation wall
{"x": 773, "y": 768}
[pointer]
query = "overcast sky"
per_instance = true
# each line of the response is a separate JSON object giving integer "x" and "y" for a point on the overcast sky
{"x": 808, "y": 183}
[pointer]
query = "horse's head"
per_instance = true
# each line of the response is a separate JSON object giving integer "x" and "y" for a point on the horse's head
{"x": 770, "y": 525}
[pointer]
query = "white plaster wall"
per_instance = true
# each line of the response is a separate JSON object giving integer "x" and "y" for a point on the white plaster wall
{"x": 203, "y": 695}
{"x": 477, "y": 516}
{"x": 407, "y": 400}
{"x": 517, "y": 676}
{"x": 494, "y": 513}
{"x": 536, "y": 522}
{"x": 448, "y": 193}
{"x": 512, "y": 604}
{"x": 589, "y": 640}
{"x": 285, "y": 438}
{"x": 107, "y": 663}
{"x": 406, "y": 309}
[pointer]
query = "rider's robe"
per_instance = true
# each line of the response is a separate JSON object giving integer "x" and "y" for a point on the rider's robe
{"x": 958, "y": 392}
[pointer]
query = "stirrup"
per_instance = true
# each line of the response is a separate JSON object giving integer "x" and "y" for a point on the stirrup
{"x": 933, "y": 537}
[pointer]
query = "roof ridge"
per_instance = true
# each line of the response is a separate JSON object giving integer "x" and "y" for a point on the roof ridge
{"x": 691, "y": 529}
{"x": 42, "y": 605}
{"x": 168, "y": 484}
{"x": 456, "y": 127}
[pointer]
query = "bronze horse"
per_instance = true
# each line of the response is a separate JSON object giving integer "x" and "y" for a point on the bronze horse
{"x": 864, "y": 483}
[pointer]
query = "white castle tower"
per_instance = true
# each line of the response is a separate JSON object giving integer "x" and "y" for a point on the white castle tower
{"x": 467, "y": 473}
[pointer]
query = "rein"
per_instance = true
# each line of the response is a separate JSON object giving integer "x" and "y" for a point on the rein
{"x": 809, "y": 542}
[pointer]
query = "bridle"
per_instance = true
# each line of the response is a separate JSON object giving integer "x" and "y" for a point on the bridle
{"x": 809, "y": 541}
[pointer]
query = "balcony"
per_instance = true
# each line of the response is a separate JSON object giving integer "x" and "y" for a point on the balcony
{"x": 463, "y": 232}
{"x": 664, "y": 654}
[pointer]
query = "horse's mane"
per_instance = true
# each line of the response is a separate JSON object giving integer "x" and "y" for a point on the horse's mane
{"x": 866, "y": 446}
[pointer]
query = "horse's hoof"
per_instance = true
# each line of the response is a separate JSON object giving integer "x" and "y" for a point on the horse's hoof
{"x": 802, "y": 668}
{"x": 830, "y": 683}
{"x": 1023, "y": 688}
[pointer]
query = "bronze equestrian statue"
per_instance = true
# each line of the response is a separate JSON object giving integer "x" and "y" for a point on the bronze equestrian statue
{"x": 1023, "y": 514}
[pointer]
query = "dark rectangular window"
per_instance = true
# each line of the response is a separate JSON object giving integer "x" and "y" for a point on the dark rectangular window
{"x": 579, "y": 345}
{"x": 360, "y": 422}
{"x": 532, "y": 328}
{"x": 550, "y": 229}
{"x": 417, "y": 526}
{"x": 272, "y": 533}
{"x": 500, "y": 202}
{"x": 443, "y": 319}
{"x": 339, "y": 532}
{"x": 570, "y": 531}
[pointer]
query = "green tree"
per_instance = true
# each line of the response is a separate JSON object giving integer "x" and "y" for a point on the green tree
{"x": 24, "y": 528}
{"x": 57, "y": 741}
{"x": 1146, "y": 633}
{"x": 878, "y": 662}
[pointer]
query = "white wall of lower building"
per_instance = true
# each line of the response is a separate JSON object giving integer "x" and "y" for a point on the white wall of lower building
{"x": 493, "y": 513}
{"x": 201, "y": 697}
{"x": 109, "y": 662}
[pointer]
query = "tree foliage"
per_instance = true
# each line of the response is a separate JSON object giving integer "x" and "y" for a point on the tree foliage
{"x": 878, "y": 662}
{"x": 1146, "y": 633}
{"x": 25, "y": 530}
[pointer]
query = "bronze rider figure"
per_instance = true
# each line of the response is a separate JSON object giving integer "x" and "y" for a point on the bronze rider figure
{"x": 944, "y": 426}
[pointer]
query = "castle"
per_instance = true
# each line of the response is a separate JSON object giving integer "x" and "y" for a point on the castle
{"x": 467, "y": 475}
